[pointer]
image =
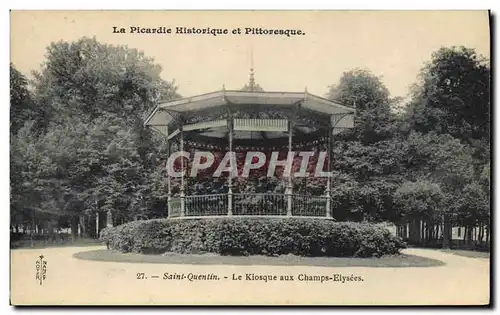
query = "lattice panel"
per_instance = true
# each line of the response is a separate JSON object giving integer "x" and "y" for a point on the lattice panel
{"x": 261, "y": 124}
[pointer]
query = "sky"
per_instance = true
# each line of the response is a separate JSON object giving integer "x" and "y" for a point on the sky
{"x": 392, "y": 44}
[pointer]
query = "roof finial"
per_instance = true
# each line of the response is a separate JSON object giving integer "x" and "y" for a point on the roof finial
{"x": 224, "y": 93}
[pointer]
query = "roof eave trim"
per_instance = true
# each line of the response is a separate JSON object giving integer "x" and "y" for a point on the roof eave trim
{"x": 327, "y": 101}
{"x": 146, "y": 122}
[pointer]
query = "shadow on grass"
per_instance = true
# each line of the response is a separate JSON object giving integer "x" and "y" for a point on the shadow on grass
{"x": 396, "y": 261}
{"x": 467, "y": 253}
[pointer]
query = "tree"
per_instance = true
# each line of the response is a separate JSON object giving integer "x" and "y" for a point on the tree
{"x": 361, "y": 89}
{"x": 450, "y": 112}
{"x": 473, "y": 209}
{"x": 453, "y": 96}
{"x": 93, "y": 153}
{"x": 440, "y": 158}
{"x": 375, "y": 170}
{"x": 369, "y": 156}
{"x": 22, "y": 107}
{"x": 420, "y": 201}
{"x": 32, "y": 183}
{"x": 88, "y": 79}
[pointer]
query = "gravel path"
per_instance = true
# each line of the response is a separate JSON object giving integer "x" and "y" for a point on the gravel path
{"x": 71, "y": 281}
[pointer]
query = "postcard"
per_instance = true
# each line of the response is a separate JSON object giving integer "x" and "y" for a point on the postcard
{"x": 338, "y": 158}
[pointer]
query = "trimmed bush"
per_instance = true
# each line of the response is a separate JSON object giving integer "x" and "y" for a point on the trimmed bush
{"x": 254, "y": 236}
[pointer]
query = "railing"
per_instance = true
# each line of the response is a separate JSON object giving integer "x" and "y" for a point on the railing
{"x": 259, "y": 204}
{"x": 205, "y": 205}
{"x": 309, "y": 206}
{"x": 249, "y": 204}
{"x": 174, "y": 207}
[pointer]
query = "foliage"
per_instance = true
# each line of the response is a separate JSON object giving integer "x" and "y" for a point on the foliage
{"x": 364, "y": 91}
{"x": 473, "y": 205}
{"x": 92, "y": 152}
{"x": 371, "y": 156}
{"x": 88, "y": 79}
{"x": 453, "y": 97}
{"x": 455, "y": 94}
{"x": 254, "y": 236}
{"x": 22, "y": 108}
{"x": 441, "y": 158}
{"x": 419, "y": 200}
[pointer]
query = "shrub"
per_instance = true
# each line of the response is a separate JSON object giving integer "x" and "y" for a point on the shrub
{"x": 254, "y": 236}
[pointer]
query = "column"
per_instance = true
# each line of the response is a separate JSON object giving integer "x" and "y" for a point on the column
{"x": 329, "y": 169}
{"x": 230, "y": 178}
{"x": 169, "y": 185}
{"x": 183, "y": 201}
{"x": 289, "y": 187}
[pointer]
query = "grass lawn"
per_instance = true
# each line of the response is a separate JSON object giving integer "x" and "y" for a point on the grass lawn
{"x": 467, "y": 253}
{"x": 288, "y": 260}
{"x": 26, "y": 244}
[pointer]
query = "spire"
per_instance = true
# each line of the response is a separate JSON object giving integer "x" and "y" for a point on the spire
{"x": 251, "y": 83}
{"x": 252, "y": 86}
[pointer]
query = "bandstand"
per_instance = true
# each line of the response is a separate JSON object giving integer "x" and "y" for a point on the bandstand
{"x": 248, "y": 119}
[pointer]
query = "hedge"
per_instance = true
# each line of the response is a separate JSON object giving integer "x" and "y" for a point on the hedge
{"x": 253, "y": 236}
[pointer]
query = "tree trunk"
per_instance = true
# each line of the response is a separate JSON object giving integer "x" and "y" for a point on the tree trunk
{"x": 426, "y": 232}
{"x": 422, "y": 232}
{"x": 480, "y": 236}
{"x": 32, "y": 230}
{"x": 414, "y": 231}
{"x": 430, "y": 234}
{"x": 83, "y": 225}
{"x": 446, "y": 232}
{"x": 470, "y": 230}
{"x": 109, "y": 219}
{"x": 97, "y": 224}
{"x": 74, "y": 228}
